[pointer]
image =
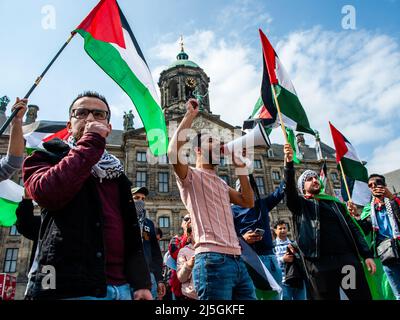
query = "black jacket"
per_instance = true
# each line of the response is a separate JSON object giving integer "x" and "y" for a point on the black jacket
{"x": 28, "y": 224}
{"x": 307, "y": 221}
{"x": 71, "y": 240}
{"x": 152, "y": 250}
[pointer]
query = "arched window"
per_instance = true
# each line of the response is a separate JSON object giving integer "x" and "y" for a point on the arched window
{"x": 173, "y": 89}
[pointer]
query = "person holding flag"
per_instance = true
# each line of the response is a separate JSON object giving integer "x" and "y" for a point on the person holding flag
{"x": 327, "y": 236}
{"x": 381, "y": 217}
{"x": 12, "y": 162}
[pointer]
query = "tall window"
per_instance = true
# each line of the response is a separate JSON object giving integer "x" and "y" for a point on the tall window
{"x": 141, "y": 178}
{"x": 334, "y": 176}
{"x": 257, "y": 164}
{"x": 270, "y": 153}
{"x": 276, "y": 175}
{"x": 225, "y": 178}
{"x": 10, "y": 263}
{"x": 163, "y": 182}
{"x": 260, "y": 185}
{"x": 14, "y": 231}
{"x": 163, "y": 222}
{"x": 141, "y": 156}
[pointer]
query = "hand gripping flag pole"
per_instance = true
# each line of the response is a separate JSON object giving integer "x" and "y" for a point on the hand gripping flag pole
{"x": 14, "y": 113}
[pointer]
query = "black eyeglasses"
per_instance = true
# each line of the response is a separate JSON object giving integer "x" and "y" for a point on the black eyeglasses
{"x": 83, "y": 113}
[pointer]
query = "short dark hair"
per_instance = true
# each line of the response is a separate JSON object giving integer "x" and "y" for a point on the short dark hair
{"x": 91, "y": 94}
{"x": 280, "y": 222}
{"x": 375, "y": 175}
{"x": 159, "y": 232}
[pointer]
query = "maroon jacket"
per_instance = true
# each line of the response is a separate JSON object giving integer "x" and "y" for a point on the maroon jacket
{"x": 71, "y": 237}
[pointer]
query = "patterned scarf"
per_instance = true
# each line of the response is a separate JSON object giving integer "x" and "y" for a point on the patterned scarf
{"x": 392, "y": 220}
{"x": 108, "y": 167}
{"x": 302, "y": 179}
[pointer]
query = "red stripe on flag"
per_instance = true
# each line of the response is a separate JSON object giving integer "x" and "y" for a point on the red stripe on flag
{"x": 62, "y": 134}
{"x": 264, "y": 114}
{"x": 339, "y": 141}
{"x": 104, "y": 23}
{"x": 269, "y": 56}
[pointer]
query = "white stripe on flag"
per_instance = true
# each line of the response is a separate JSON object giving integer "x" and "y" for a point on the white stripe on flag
{"x": 137, "y": 65}
{"x": 272, "y": 282}
{"x": 361, "y": 194}
{"x": 11, "y": 191}
{"x": 35, "y": 139}
{"x": 283, "y": 77}
{"x": 351, "y": 153}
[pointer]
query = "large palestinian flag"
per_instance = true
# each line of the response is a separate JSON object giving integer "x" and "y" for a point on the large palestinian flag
{"x": 10, "y": 195}
{"x": 356, "y": 173}
{"x": 110, "y": 42}
{"x": 293, "y": 114}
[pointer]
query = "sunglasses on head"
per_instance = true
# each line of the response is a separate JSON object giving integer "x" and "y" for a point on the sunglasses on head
{"x": 186, "y": 219}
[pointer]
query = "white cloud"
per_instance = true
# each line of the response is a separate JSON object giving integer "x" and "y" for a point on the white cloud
{"x": 349, "y": 78}
{"x": 385, "y": 158}
{"x": 235, "y": 82}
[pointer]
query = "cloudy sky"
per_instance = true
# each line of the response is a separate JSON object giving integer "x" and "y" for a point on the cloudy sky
{"x": 344, "y": 70}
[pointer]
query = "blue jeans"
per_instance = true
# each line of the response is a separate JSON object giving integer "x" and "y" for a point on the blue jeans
{"x": 393, "y": 275}
{"x": 290, "y": 293}
{"x": 271, "y": 263}
{"x": 154, "y": 286}
{"x": 219, "y": 276}
{"x": 113, "y": 293}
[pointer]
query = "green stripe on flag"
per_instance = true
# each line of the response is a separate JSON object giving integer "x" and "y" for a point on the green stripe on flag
{"x": 354, "y": 169}
{"x": 291, "y": 107}
{"x": 7, "y": 213}
{"x": 110, "y": 60}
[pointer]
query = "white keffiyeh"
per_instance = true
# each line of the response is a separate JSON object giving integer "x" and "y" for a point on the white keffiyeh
{"x": 108, "y": 167}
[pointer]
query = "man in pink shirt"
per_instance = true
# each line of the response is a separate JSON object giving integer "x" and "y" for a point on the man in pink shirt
{"x": 219, "y": 273}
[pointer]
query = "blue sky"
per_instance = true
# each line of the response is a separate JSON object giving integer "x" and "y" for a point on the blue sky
{"x": 351, "y": 77}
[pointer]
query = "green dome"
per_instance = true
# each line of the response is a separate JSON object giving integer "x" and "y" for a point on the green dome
{"x": 185, "y": 63}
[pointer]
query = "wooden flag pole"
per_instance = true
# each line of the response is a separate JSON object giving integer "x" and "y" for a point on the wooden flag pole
{"x": 280, "y": 115}
{"x": 14, "y": 113}
{"x": 345, "y": 182}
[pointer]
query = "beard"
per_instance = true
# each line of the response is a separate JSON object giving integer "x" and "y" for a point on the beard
{"x": 78, "y": 134}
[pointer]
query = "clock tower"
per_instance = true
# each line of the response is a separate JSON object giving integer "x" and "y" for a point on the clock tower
{"x": 181, "y": 81}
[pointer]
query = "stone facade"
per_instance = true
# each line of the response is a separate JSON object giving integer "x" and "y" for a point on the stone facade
{"x": 163, "y": 204}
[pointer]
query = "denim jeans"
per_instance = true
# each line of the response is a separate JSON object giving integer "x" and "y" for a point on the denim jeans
{"x": 113, "y": 293}
{"x": 271, "y": 263}
{"x": 219, "y": 276}
{"x": 393, "y": 275}
{"x": 154, "y": 286}
{"x": 290, "y": 293}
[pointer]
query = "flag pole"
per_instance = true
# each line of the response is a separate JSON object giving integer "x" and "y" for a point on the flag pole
{"x": 14, "y": 113}
{"x": 345, "y": 182}
{"x": 280, "y": 115}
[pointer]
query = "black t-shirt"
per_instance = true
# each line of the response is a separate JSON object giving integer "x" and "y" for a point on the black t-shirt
{"x": 334, "y": 240}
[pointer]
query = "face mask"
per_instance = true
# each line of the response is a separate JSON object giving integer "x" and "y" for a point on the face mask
{"x": 141, "y": 212}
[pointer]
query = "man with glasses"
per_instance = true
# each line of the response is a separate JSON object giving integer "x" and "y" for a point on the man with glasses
{"x": 327, "y": 236}
{"x": 381, "y": 217}
{"x": 90, "y": 239}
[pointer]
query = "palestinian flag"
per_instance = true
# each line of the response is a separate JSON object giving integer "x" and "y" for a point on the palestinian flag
{"x": 274, "y": 75}
{"x": 10, "y": 196}
{"x": 260, "y": 114}
{"x": 356, "y": 173}
{"x": 109, "y": 41}
{"x": 323, "y": 175}
{"x": 39, "y": 132}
